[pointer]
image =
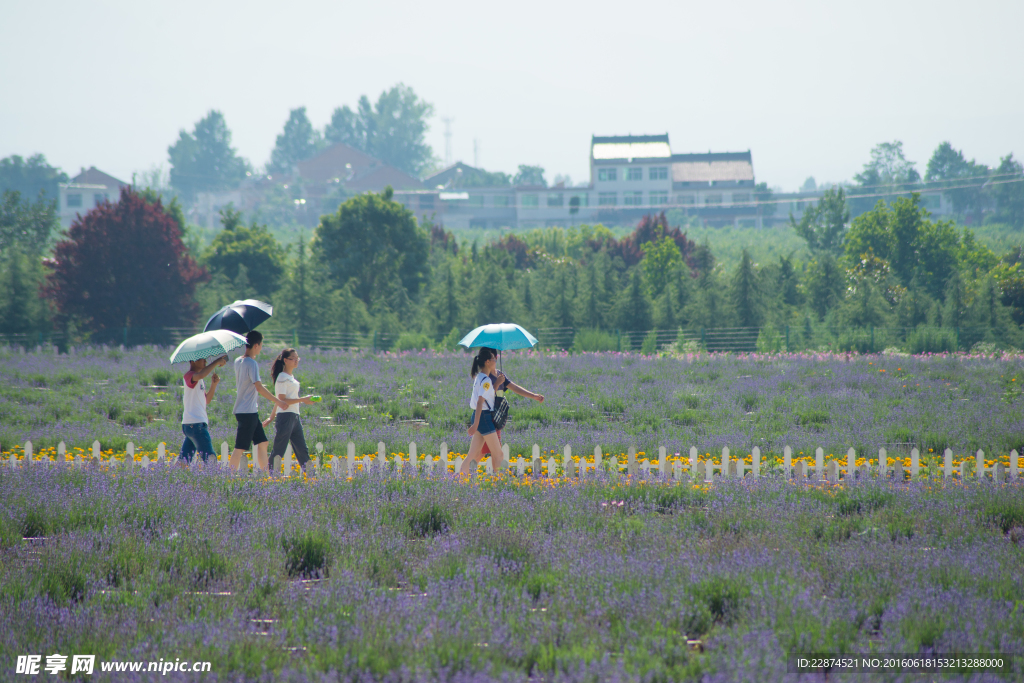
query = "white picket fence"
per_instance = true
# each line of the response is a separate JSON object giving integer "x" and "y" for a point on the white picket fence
{"x": 663, "y": 468}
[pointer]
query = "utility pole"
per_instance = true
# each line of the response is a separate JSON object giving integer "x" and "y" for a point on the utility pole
{"x": 447, "y": 140}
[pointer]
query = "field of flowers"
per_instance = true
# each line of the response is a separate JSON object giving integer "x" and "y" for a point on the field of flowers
{"x": 423, "y": 577}
{"x": 431, "y": 579}
{"x": 610, "y": 400}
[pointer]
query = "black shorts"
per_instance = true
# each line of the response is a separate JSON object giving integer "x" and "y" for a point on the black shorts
{"x": 250, "y": 431}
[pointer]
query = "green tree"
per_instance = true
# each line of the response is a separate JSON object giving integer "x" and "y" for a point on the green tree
{"x": 960, "y": 179}
{"x": 661, "y": 260}
{"x": 373, "y": 241}
{"x": 444, "y": 311}
{"x": 30, "y": 177}
{"x": 633, "y": 308}
{"x": 1007, "y": 189}
{"x": 826, "y": 284}
{"x": 888, "y": 173}
{"x": 823, "y": 225}
{"x": 529, "y": 175}
{"x": 787, "y": 283}
{"x": 204, "y": 159}
{"x": 744, "y": 294}
{"x": 23, "y": 308}
{"x": 864, "y": 306}
{"x": 393, "y": 130}
{"x": 297, "y": 142}
{"x": 592, "y": 307}
{"x": 253, "y": 248}
{"x": 28, "y": 226}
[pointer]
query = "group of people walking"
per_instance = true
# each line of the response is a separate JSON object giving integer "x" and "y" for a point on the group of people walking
{"x": 489, "y": 384}
{"x": 249, "y": 433}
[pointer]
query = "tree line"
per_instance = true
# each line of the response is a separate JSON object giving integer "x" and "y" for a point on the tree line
{"x": 372, "y": 267}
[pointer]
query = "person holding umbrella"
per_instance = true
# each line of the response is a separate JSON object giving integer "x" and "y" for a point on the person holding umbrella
{"x": 197, "y": 349}
{"x": 249, "y": 387}
{"x": 494, "y": 338}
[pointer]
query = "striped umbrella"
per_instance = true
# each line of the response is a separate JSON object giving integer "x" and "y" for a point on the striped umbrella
{"x": 207, "y": 345}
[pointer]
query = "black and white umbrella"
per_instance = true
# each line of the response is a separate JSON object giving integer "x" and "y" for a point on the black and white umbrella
{"x": 240, "y": 317}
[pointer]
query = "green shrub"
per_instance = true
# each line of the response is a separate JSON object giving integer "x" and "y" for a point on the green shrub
{"x": 307, "y": 555}
{"x": 428, "y": 520}
{"x": 63, "y": 583}
{"x": 650, "y": 343}
{"x": 594, "y": 340}
{"x": 413, "y": 341}
{"x": 931, "y": 340}
{"x": 35, "y": 524}
{"x": 722, "y": 595}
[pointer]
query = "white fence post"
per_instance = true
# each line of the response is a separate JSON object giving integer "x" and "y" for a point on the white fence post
{"x": 979, "y": 466}
{"x": 709, "y": 471}
{"x": 535, "y": 461}
{"x": 677, "y": 470}
{"x": 631, "y": 461}
{"x": 350, "y": 458}
{"x": 725, "y": 462}
{"x": 62, "y": 452}
{"x": 1014, "y": 465}
{"x": 520, "y": 466}
{"x": 915, "y": 463}
{"x": 381, "y": 460}
{"x": 883, "y": 463}
{"x": 129, "y": 455}
{"x": 662, "y": 461}
{"x": 597, "y": 459}
{"x": 819, "y": 463}
{"x": 693, "y": 458}
{"x": 566, "y": 459}
{"x": 851, "y": 463}
{"x": 444, "y": 457}
{"x": 787, "y": 462}
{"x": 161, "y": 453}
{"x": 947, "y": 463}
{"x": 552, "y": 467}
{"x": 414, "y": 456}
{"x": 757, "y": 462}
{"x": 832, "y": 471}
{"x": 96, "y": 450}
{"x": 28, "y": 453}
{"x": 613, "y": 466}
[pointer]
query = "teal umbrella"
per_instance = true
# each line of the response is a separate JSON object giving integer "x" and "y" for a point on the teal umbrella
{"x": 207, "y": 345}
{"x": 500, "y": 336}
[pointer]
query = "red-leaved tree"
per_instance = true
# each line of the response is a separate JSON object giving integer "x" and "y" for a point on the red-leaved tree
{"x": 124, "y": 265}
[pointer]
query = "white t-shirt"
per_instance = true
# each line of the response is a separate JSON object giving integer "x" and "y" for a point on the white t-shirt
{"x": 482, "y": 386}
{"x": 289, "y": 386}
{"x": 195, "y": 401}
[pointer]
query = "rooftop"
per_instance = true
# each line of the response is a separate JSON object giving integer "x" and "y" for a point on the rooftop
{"x": 688, "y": 168}
{"x": 630, "y": 147}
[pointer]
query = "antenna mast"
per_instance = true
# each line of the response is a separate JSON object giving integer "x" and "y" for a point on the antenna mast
{"x": 447, "y": 140}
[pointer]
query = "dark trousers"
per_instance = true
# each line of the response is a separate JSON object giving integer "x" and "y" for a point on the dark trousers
{"x": 288, "y": 427}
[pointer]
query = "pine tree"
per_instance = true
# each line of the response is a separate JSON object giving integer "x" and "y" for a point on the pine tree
{"x": 634, "y": 308}
{"x": 744, "y": 295}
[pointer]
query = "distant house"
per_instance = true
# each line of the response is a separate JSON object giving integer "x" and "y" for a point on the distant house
{"x": 85, "y": 191}
{"x": 352, "y": 169}
{"x": 630, "y": 175}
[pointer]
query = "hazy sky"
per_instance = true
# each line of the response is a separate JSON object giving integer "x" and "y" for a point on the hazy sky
{"x": 809, "y": 87}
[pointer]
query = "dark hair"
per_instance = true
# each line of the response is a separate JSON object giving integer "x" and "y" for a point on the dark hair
{"x": 253, "y": 338}
{"x": 278, "y": 367}
{"x": 482, "y": 356}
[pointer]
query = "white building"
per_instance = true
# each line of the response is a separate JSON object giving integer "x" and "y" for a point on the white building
{"x": 86, "y": 190}
{"x": 630, "y": 176}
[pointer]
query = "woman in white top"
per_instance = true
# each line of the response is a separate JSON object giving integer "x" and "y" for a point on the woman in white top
{"x": 194, "y": 422}
{"x": 481, "y": 401}
{"x": 287, "y": 427}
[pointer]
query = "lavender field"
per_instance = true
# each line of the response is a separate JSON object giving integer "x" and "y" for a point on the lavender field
{"x": 610, "y": 400}
{"x": 431, "y": 579}
{"x": 422, "y": 577}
